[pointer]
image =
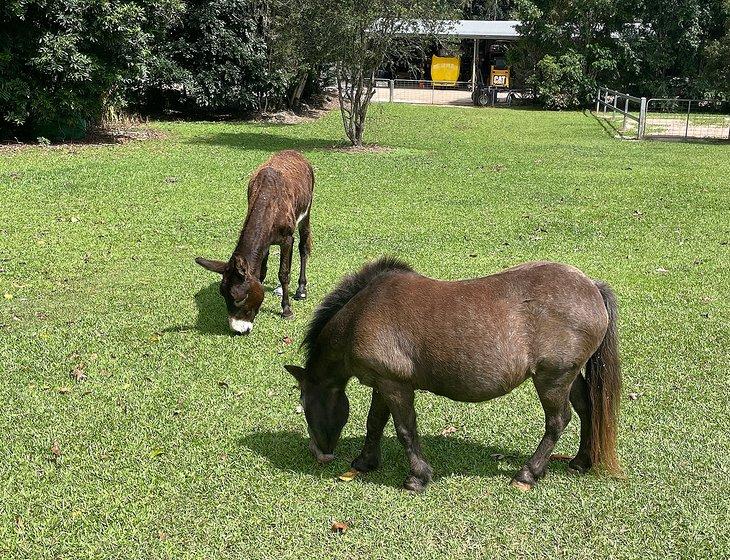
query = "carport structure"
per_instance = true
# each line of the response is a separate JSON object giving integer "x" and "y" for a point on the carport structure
{"x": 476, "y": 30}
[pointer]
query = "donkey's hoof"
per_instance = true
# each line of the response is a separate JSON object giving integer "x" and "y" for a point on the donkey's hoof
{"x": 413, "y": 484}
{"x": 300, "y": 295}
{"x": 521, "y": 486}
{"x": 287, "y": 314}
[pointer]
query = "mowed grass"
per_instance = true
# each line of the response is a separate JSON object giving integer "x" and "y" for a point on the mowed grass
{"x": 183, "y": 441}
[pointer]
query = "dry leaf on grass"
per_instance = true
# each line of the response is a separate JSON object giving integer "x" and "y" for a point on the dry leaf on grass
{"x": 55, "y": 451}
{"x": 560, "y": 457}
{"x": 349, "y": 476}
{"x": 287, "y": 340}
{"x": 448, "y": 430}
{"x": 77, "y": 373}
{"x": 64, "y": 390}
{"x": 156, "y": 452}
{"x": 339, "y": 527}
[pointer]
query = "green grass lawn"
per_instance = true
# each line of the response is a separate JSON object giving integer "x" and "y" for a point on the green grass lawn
{"x": 183, "y": 441}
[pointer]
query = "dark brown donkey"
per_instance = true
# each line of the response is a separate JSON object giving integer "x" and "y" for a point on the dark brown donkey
{"x": 470, "y": 340}
{"x": 279, "y": 200}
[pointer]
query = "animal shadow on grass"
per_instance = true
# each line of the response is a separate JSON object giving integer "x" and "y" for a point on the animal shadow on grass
{"x": 212, "y": 314}
{"x": 448, "y": 456}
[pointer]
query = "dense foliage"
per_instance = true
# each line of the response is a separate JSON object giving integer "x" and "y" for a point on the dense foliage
{"x": 64, "y": 64}
{"x": 219, "y": 57}
{"x": 63, "y": 61}
{"x": 654, "y": 48}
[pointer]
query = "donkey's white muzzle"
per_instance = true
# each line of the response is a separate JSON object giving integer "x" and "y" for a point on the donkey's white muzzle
{"x": 240, "y": 326}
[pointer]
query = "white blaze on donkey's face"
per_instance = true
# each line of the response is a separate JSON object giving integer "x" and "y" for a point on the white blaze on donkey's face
{"x": 240, "y": 326}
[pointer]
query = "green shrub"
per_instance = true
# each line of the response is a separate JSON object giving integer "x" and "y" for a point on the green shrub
{"x": 63, "y": 61}
{"x": 562, "y": 82}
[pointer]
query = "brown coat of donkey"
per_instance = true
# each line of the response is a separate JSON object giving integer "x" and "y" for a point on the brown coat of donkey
{"x": 279, "y": 201}
{"x": 469, "y": 340}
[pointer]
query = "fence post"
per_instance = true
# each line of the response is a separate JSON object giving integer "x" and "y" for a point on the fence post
{"x": 598, "y": 100}
{"x": 391, "y": 86}
{"x": 605, "y": 102}
{"x": 686, "y": 127}
{"x": 615, "y": 106}
{"x": 642, "y": 118}
{"x": 626, "y": 111}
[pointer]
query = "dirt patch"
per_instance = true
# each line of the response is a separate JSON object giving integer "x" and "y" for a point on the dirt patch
{"x": 110, "y": 134}
{"x": 304, "y": 114}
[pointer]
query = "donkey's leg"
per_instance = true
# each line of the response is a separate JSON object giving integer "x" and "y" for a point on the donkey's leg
{"x": 284, "y": 273}
{"x": 305, "y": 247}
{"x": 553, "y": 390}
{"x": 264, "y": 267}
{"x": 399, "y": 398}
{"x": 369, "y": 457}
{"x": 581, "y": 401}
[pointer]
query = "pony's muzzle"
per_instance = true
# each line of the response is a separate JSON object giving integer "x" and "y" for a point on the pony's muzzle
{"x": 322, "y": 458}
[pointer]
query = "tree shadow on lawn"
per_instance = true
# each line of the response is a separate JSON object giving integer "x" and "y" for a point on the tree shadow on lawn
{"x": 267, "y": 142}
{"x": 448, "y": 456}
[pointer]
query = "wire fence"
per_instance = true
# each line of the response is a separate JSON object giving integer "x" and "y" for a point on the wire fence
{"x": 664, "y": 118}
{"x": 688, "y": 118}
{"x": 423, "y": 92}
{"x": 447, "y": 93}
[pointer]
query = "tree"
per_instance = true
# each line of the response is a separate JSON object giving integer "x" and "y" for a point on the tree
{"x": 63, "y": 62}
{"x": 357, "y": 37}
{"x": 221, "y": 57}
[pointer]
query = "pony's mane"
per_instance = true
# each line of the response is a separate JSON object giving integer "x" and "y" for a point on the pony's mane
{"x": 347, "y": 289}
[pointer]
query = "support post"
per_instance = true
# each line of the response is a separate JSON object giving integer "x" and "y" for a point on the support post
{"x": 598, "y": 100}
{"x": 626, "y": 112}
{"x": 474, "y": 65}
{"x": 642, "y": 119}
{"x": 605, "y": 102}
{"x": 391, "y": 86}
{"x": 686, "y": 127}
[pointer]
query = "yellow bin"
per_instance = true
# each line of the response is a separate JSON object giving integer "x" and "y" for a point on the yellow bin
{"x": 445, "y": 70}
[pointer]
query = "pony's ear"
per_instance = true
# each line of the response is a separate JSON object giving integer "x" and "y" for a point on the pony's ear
{"x": 241, "y": 265}
{"x": 298, "y": 372}
{"x": 213, "y": 266}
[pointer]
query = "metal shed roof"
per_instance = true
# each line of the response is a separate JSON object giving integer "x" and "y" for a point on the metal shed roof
{"x": 499, "y": 30}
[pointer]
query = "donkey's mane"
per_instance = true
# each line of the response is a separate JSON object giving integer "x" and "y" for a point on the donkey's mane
{"x": 347, "y": 289}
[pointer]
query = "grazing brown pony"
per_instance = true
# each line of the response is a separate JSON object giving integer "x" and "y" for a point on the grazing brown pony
{"x": 279, "y": 201}
{"x": 470, "y": 340}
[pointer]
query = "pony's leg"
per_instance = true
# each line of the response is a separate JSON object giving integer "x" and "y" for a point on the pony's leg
{"x": 284, "y": 273}
{"x": 399, "y": 398}
{"x": 305, "y": 247}
{"x": 581, "y": 401}
{"x": 264, "y": 267}
{"x": 553, "y": 390}
{"x": 369, "y": 457}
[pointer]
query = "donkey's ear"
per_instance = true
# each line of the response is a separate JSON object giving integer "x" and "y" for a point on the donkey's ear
{"x": 241, "y": 265}
{"x": 298, "y": 372}
{"x": 213, "y": 266}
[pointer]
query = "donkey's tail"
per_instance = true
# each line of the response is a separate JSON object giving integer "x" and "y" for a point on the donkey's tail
{"x": 603, "y": 375}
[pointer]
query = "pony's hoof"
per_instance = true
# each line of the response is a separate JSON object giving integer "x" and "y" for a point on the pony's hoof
{"x": 577, "y": 467}
{"x": 287, "y": 314}
{"x": 278, "y": 291}
{"x": 300, "y": 295}
{"x": 521, "y": 486}
{"x": 366, "y": 464}
{"x": 413, "y": 484}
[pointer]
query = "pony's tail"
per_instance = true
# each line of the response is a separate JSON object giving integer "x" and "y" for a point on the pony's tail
{"x": 603, "y": 375}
